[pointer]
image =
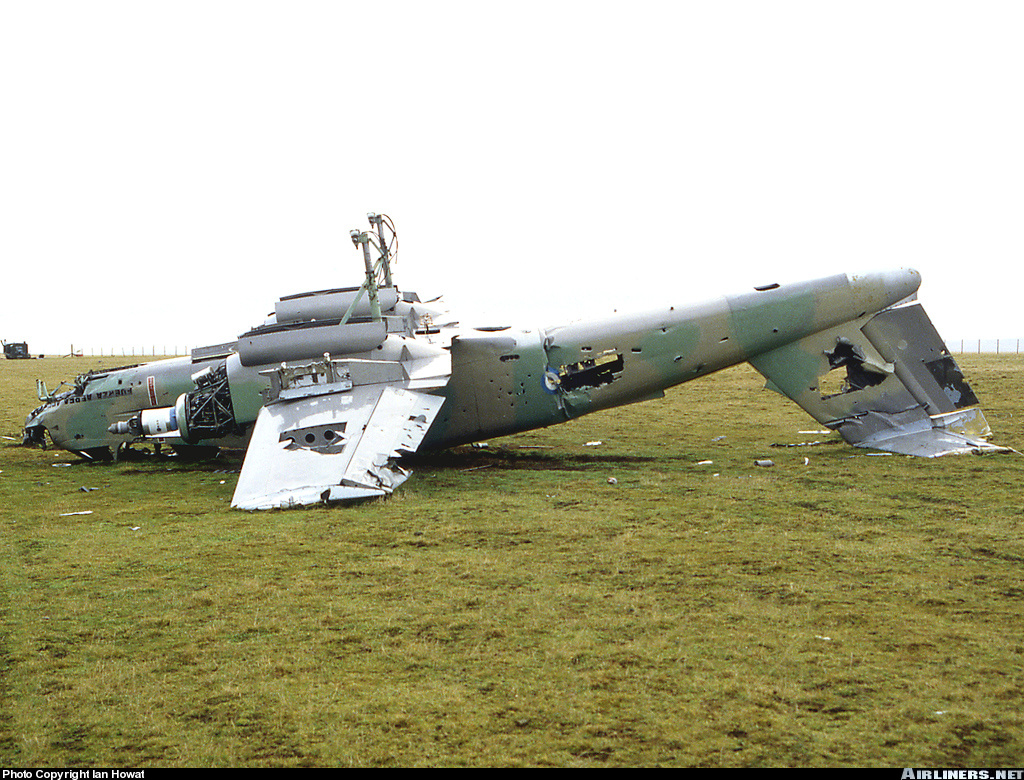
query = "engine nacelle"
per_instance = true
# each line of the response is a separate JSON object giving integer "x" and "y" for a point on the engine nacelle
{"x": 205, "y": 413}
{"x": 159, "y": 422}
{"x": 272, "y": 344}
{"x": 331, "y": 304}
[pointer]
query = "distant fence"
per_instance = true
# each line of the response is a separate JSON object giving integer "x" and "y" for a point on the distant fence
{"x": 128, "y": 352}
{"x": 977, "y": 346}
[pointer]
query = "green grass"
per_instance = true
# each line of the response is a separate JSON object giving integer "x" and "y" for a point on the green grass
{"x": 509, "y": 606}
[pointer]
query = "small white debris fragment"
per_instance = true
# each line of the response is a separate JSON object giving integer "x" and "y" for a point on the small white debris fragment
{"x": 705, "y": 462}
{"x": 224, "y": 480}
{"x": 69, "y": 514}
{"x": 814, "y": 432}
{"x": 479, "y": 445}
{"x": 798, "y": 444}
{"x": 807, "y": 461}
{"x": 764, "y": 463}
{"x": 60, "y": 465}
{"x": 136, "y": 528}
{"x": 613, "y": 481}
{"x": 718, "y": 438}
{"x": 823, "y": 638}
{"x": 85, "y": 489}
{"x": 592, "y": 444}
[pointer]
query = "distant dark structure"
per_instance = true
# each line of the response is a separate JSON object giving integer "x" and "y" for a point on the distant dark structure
{"x": 16, "y": 351}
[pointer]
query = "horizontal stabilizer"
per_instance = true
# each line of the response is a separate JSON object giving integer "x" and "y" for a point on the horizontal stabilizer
{"x": 883, "y": 381}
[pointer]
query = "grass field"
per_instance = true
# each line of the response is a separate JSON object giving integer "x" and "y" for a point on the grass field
{"x": 510, "y": 606}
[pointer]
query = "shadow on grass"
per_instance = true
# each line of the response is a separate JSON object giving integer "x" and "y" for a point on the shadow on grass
{"x": 145, "y": 461}
{"x": 465, "y": 458}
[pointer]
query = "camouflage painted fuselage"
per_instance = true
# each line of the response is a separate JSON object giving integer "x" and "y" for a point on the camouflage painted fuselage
{"x": 507, "y": 380}
{"x": 515, "y": 380}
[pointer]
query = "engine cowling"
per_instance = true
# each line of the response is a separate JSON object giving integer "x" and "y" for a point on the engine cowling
{"x": 205, "y": 413}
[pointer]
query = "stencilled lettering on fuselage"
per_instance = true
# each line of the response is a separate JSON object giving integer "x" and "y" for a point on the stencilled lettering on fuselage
{"x": 99, "y": 395}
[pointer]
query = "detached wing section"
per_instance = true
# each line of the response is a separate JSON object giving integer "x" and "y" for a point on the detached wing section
{"x": 333, "y": 432}
{"x": 884, "y": 381}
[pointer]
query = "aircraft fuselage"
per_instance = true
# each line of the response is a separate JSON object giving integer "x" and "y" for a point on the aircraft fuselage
{"x": 503, "y": 380}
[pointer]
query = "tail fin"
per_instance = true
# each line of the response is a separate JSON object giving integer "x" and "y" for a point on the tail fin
{"x": 884, "y": 381}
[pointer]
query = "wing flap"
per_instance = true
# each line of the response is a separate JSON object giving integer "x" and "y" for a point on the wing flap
{"x": 328, "y": 441}
{"x": 884, "y": 381}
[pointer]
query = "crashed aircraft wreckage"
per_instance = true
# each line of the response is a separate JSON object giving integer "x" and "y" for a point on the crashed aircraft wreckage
{"x": 338, "y": 384}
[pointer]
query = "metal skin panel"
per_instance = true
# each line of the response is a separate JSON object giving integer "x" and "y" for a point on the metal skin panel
{"x": 78, "y": 419}
{"x": 908, "y": 338}
{"x": 330, "y": 304}
{"x": 331, "y": 447}
{"x": 308, "y": 341}
{"x": 489, "y": 396}
{"x": 890, "y": 399}
{"x": 507, "y": 381}
{"x": 471, "y": 385}
{"x": 248, "y": 387}
{"x": 497, "y": 387}
{"x": 796, "y": 370}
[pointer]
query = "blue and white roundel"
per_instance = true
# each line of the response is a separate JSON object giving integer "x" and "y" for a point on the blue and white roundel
{"x": 551, "y": 380}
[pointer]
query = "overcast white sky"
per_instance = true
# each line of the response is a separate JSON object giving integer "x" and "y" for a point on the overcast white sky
{"x": 169, "y": 169}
